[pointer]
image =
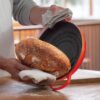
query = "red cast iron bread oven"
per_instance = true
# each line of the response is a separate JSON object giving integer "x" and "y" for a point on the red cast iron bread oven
{"x": 68, "y": 38}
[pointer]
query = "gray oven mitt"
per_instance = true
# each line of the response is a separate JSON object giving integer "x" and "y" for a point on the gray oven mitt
{"x": 49, "y": 20}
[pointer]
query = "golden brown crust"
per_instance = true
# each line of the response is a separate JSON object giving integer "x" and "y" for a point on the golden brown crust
{"x": 44, "y": 56}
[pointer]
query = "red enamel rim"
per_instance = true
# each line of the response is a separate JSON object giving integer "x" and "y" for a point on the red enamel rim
{"x": 79, "y": 62}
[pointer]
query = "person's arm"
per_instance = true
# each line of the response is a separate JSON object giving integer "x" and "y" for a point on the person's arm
{"x": 27, "y": 12}
{"x": 22, "y": 9}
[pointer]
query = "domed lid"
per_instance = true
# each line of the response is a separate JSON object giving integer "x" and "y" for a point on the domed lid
{"x": 66, "y": 36}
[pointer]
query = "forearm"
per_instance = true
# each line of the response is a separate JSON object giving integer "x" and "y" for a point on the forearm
{"x": 36, "y": 14}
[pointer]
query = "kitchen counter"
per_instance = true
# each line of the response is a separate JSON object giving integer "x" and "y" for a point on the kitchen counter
{"x": 82, "y": 91}
{"x": 12, "y": 90}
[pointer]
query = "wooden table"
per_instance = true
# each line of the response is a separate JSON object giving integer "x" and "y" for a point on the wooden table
{"x": 86, "y": 76}
{"x": 80, "y": 89}
{"x": 82, "y": 92}
{"x": 85, "y": 86}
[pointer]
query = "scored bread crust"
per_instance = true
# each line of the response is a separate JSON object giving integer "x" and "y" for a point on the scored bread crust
{"x": 44, "y": 56}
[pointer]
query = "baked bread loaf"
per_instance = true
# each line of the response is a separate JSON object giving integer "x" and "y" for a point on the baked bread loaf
{"x": 43, "y": 56}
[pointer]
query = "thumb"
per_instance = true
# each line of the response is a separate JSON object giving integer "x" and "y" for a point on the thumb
{"x": 21, "y": 67}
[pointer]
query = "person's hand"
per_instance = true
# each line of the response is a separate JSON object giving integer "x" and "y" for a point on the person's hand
{"x": 56, "y": 9}
{"x": 54, "y": 14}
{"x": 37, "y": 13}
{"x": 13, "y": 66}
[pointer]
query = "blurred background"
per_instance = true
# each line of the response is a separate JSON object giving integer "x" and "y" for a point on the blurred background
{"x": 82, "y": 9}
{"x": 85, "y": 15}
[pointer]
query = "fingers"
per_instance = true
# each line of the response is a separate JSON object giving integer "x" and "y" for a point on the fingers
{"x": 15, "y": 71}
{"x": 55, "y": 9}
{"x": 21, "y": 67}
{"x": 13, "y": 66}
{"x": 15, "y": 74}
{"x": 68, "y": 19}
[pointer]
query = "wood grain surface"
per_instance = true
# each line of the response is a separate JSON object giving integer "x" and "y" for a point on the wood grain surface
{"x": 80, "y": 90}
{"x": 13, "y": 90}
